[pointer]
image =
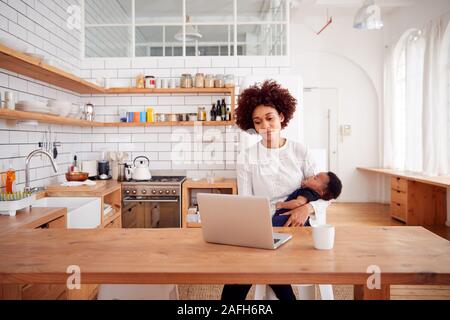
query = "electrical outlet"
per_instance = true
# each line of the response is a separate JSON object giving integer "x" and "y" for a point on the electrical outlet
{"x": 346, "y": 130}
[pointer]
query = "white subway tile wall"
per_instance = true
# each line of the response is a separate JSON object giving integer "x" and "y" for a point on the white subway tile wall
{"x": 42, "y": 25}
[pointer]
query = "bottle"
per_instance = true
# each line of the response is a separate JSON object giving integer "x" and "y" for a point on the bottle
{"x": 213, "y": 112}
{"x": 10, "y": 178}
{"x": 228, "y": 114}
{"x": 224, "y": 110}
{"x": 74, "y": 167}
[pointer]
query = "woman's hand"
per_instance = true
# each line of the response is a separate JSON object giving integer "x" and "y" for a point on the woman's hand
{"x": 298, "y": 216}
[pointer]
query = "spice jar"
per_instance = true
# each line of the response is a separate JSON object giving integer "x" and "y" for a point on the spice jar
{"x": 150, "y": 82}
{"x": 209, "y": 81}
{"x": 201, "y": 114}
{"x": 186, "y": 81}
{"x": 140, "y": 81}
{"x": 229, "y": 81}
{"x": 219, "y": 81}
{"x": 199, "y": 80}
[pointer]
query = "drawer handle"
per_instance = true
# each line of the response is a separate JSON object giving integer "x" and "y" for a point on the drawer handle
{"x": 398, "y": 191}
{"x": 398, "y": 179}
{"x": 398, "y": 204}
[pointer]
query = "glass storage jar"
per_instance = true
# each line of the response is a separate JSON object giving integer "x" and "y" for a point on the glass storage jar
{"x": 229, "y": 81}
{"x": 219, "y": 81}
{"x": 209, "y": 81}
{"x": 186, "y": 81}
{"x": 199, "y": 80}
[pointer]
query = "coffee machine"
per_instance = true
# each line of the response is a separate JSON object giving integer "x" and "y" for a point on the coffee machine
{"x": 103, "y": 170}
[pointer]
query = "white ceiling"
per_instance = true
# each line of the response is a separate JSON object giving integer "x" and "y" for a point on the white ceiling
{"x": 346, "y": 7}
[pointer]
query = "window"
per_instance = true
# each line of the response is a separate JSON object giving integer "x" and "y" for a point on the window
{"x": 407, "y": 111}
{"x": 142, "y": 28}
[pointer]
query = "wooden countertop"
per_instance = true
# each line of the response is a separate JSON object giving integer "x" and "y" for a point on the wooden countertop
{"x": 405, "y": 255}
{"x": 30, "y": 219}
{"x": 440, "y": 181}
{"x": 100, "y": 189}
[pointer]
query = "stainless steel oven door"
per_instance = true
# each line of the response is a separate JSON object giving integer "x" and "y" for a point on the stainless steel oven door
{"x": 151, "y": 212}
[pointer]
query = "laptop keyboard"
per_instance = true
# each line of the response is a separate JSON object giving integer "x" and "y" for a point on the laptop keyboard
{"x": 275, "y": 241}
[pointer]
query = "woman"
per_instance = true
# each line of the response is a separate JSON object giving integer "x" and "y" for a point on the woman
{"x": 273, "y": 168}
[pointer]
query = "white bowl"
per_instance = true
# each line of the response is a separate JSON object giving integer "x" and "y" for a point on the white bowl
{"x": 13, "y": 44}
{"x": 38, "y": 56}
{"x": 61, "y": 110}
{"x": 26, "y": 104}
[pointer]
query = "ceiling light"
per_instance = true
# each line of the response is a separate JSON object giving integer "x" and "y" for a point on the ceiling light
{"x": 368, "y": 17}
{"x": 191, "y": 33}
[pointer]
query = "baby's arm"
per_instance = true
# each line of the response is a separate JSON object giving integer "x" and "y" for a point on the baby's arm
{"x": 300, "y": 201}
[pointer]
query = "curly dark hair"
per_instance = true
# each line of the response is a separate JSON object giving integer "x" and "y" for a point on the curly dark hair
{"x": 269, "y": 93}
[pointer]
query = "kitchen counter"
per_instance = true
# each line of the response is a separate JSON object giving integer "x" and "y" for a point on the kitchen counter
{"x": 30, "y": 219}
{"x": 101, "y": 188}
{"x": 405, "y": 255}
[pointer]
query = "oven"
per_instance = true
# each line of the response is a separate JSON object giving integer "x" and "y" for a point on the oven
{"x": 155, "y": 203}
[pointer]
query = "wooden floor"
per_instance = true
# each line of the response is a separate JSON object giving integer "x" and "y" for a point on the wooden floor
{"x": 350, "y": 214}
{"x": 373, "y": 214}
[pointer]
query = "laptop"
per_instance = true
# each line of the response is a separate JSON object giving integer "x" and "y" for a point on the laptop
{"x": 239, "y": 221}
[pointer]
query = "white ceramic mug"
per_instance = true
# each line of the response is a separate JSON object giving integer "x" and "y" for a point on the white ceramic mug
{"x": 158, "y": 83}
{"x": 10, "y": 100}
{"x": 172, "y": 84}
{"x": 164, "y": 84}
{"x": 323, "y": 236}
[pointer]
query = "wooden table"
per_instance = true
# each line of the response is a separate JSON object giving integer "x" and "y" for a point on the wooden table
{"x": 405, "y": 255}
{"x": 416, "y": 199}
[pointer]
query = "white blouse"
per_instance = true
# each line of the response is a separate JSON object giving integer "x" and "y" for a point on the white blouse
{"x": 276, "y": 173}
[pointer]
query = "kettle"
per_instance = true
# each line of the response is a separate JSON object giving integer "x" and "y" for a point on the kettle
{"x": 140, "y": 171}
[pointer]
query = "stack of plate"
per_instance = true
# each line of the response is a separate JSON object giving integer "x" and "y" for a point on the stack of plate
{"x": 32, "y": 106}
{"x": 60, "y": 107}
{"x": 13, "y": 43}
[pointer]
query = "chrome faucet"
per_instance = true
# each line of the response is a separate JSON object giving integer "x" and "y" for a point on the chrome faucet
{"x": 27, "y": 166}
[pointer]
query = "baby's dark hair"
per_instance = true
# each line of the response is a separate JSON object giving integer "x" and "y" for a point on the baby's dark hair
{"x": 334, "y": 187}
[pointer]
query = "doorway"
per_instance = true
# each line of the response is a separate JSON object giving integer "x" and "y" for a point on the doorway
{"x": 321, "y": 130}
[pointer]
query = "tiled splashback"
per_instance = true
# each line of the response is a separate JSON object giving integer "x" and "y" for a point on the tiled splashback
{"x": 41, "y": 25}
{"x": 162, "y": 144}
{"x": 169, "y": 148}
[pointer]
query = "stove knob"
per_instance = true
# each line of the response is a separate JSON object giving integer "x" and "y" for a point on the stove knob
{"x": 127, "y": 191}
{"x": 144, "y": 191}
{"x": 153, "y": 191}
{"x": 167, "y": 191}
{"x": 161, "y": 192}
{"x": 174, "y": 191}
{"x": 134, "y": 192}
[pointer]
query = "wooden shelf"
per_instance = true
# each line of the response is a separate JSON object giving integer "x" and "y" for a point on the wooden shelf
{"x": 168, "y": 124}
{"x": 227, "y": 184}
{"x": 193, "y": 225}
{"x": 110, "y": 217}
{"x": 23, "y": 64}
{"x": 170, "y": 91}
{"x": 46, "y": 118}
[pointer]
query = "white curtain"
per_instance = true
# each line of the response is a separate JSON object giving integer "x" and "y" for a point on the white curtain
{"x": 389, "y": 160}
{"x": 403, "y": 82}
{"x": 413, "y": 150}
{"x": 416, "y": 109}
{"x": 435, "y": 104}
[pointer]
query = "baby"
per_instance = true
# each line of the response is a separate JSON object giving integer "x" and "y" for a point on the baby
{"x": 325, "y": 186}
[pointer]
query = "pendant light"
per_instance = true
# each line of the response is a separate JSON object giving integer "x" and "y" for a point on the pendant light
{"x": 368, "y": 17}
{"x": 191, "y": 33}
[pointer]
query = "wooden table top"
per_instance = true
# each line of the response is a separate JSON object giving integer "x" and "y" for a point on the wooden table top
{"x": 29, "y": 219}
{"x": 101, "y": 188}
{"x": 405, "y": 255}
{"x": 440, "y": 181}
